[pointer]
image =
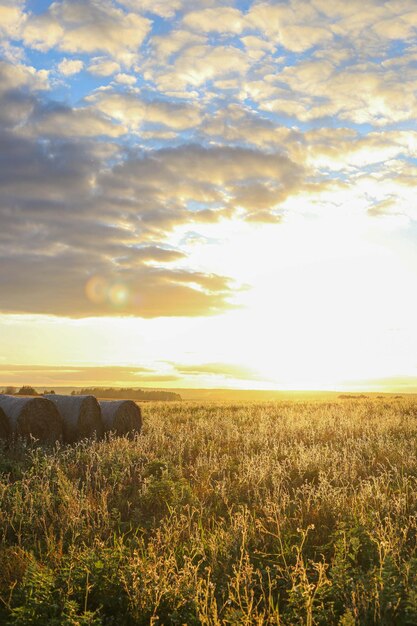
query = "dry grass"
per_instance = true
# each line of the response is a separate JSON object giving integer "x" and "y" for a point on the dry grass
{"x": 270, "y": 513}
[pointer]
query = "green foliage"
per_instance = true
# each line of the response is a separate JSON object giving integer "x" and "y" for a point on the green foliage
{"x": 271, "y": 513}
{"x": 39, "y": 602}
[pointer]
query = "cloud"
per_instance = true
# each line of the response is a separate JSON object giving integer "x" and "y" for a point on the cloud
{"x": 169, "y": 9}
{"x": 296, "y": 25}
{"x": 15, "y": 107}
{"x": 48, "y": 171}
{"x": 368, "y": 25}
{"x": 134, "y": 111}
{"x": 164, "y": 47}
{"x": 360, "y": 93}
{"x": 346, "y": 149}
{"x": 58, "y": 120}
{"x": 70, "y": 243}
{"x": 349, "y": 72}
{"x": 84, "y": 221}
{"x": 219, "y": 20}
{"x": 125, "y": 79}
{"x": 264, "y": 216}
{"x": 102, "y": 66}
{"x": 87, "y": 26}
{"x": 235, "y": 124}
{"x": 371, "y": 22}
{"x": 12, "y": 19}
{"x": 201, "y": 122}
{"x": 69, "y": 67}
{"x": 195, "y": 65}
{"x": 258, "y": 199}
{"x": 224, "y": 370}
{"x": 75, "y": 375}
{"x": 58, "y": 284}
{"x": 151, "y": 254}
{"x": 158, "y": 7}
{"x": 19, "y": 76}
{"x": 224, "y": 165}
{"x": 219, "y": 177}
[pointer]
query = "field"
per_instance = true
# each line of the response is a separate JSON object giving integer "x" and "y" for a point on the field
{"x": 255, "y": 513}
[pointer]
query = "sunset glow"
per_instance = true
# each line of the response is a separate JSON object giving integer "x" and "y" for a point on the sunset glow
{"x": 218, "y": 193}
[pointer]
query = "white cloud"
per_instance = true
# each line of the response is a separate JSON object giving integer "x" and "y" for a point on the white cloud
{"x": 197, "y": 64}
{"x": 102, "y": 66}
{"x": 295, "y": 25}
{"x": 12, "y": 19}
{"x": 69, "y": 67}
{"x": 166, "y": 46}
{"x": 215, "y": 20}
{"x": 125, "y": 79}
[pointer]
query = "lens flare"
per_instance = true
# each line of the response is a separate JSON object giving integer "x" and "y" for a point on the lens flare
{"x": 118, "y": 294}
{"x": 96, "y": 289}
{"x": 99, "y": 290}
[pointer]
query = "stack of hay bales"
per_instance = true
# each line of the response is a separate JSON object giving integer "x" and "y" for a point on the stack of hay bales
{"x": 81, "y": 416}
{"x": 53, "y": 417}
{"x": 123, "y": 417}
{"x": 31, "y": 417}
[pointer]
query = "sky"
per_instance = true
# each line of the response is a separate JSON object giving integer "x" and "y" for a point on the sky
{"x": 208, "y": 193}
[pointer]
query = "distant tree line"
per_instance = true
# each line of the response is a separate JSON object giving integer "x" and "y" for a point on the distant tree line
{"x": 351, "y": 396}
{"x": 128, "y": 394}
{"x": 122, "y": 394}
{"x": 26, "y": 390}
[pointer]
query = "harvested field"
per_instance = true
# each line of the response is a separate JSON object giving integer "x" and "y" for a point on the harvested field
{"x": 263, "y": 513}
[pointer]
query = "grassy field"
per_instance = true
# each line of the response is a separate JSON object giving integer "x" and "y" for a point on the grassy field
{"x": 268, "y": 513}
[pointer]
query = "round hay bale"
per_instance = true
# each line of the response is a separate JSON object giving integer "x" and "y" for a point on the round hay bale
{"x": 81, "y": 416}
{"x": 32, "y": 417}
{"x": 5, "y": 428}
{"x": 123, "y": 417}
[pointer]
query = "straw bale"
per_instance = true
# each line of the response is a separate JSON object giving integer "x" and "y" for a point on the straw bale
{"x": 32, "y": 417}
{"x": 81, "y": 416}
{"x": 123, "y": 417}
{"x": 5, "y": 428}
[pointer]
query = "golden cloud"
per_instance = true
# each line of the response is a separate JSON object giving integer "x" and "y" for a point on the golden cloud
{"x": 87, "y": 27}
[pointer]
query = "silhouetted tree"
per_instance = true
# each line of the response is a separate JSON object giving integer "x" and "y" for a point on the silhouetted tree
{"x": 26, "y": 390}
